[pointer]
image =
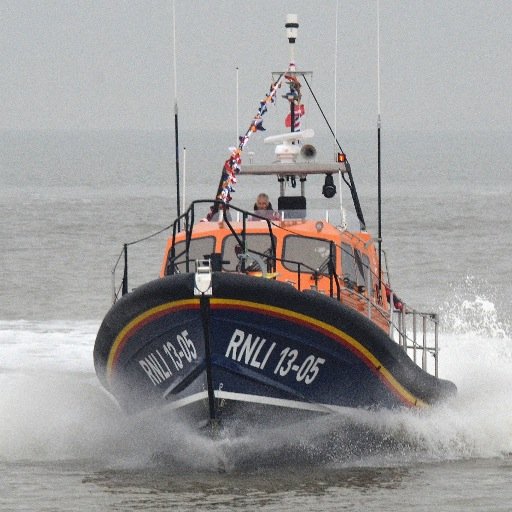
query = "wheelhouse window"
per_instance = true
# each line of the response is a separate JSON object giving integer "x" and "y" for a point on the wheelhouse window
{"x": 312, "y": 253}
{"x": 259, "y": 243}
{"x": 368, "y": 271}
{"x": 355, "y": 266}
{"x": 347, "y": 263}
{"x": 360, "y": 269}
{"x": 199, "y": 249}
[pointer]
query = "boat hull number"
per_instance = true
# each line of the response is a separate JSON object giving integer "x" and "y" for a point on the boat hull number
{"x": 259, "y": 353}
{"x": 170, "y": 358}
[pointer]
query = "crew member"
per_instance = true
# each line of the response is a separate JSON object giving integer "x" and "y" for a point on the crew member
{"x": 263, "y": 207}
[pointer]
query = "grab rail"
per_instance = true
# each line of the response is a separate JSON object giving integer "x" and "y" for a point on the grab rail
{"x": 413, "y": 328}
{"x": 123, "y": 256}
{"x": 410, "y": 328}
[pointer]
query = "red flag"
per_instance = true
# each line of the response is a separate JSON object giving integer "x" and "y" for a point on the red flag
{"x": 299, "y": 112}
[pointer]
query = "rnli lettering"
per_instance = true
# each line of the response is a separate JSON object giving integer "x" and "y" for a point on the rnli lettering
{"x": 256, "y": 352}
{"x": 248, "y": 348}
{"x": 169, "y": 358}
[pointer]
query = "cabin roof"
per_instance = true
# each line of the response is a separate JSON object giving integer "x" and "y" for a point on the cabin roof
{"x": 293, "y": 169}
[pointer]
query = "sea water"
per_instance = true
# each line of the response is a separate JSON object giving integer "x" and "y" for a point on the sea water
{"x": 69, "y": 201}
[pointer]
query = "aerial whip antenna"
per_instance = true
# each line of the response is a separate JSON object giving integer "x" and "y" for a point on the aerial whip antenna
{"x": 336, "y": 79}
{"x": 184, "y": 175}
{"x": 379, "y": 191}
{"x": 176, "y": 144}
{"x": 343, "y": 219}
{"x": 237, "y": 132}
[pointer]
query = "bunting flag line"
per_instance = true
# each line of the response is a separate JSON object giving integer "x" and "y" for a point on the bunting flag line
{"x": 233, "y": 164}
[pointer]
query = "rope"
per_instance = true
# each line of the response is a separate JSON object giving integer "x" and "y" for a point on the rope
{"x": 150, "y": 236}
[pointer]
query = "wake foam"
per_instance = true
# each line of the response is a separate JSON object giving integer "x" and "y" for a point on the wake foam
{"x": 53, "y": 408}
{"x": 471, "y": 308}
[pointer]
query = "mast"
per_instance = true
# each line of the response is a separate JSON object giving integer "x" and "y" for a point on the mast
{"x": 292, "y": 29}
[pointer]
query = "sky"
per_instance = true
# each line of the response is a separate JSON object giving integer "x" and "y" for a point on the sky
{"x": 108, "y": 64}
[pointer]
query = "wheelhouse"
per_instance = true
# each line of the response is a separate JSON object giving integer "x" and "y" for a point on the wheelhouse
{"x": 309, "y": 254}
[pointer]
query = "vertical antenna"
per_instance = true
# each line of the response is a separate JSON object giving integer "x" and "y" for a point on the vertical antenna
{"x": 336, "y": 82}
{"x": 340, "y": 188}
{"x": 378, "y": 61}
{"x": 237, "y": 134}
{"x": 184, "y": 176}
{"x": 379, "y": 191}
{"x": 176, "y": 144}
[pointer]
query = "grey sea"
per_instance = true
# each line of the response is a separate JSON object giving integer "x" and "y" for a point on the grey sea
{"x": 69, "y": 200}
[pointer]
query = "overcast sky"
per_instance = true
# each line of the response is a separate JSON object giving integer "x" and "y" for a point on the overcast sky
{"x": 100, "y": 64}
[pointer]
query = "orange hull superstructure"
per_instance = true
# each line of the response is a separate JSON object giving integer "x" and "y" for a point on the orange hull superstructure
{"x": 354, "y": 259}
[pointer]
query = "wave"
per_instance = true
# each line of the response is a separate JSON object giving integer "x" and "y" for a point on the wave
{"x": 471, "y": 308}
{"x": 53, "y": 408}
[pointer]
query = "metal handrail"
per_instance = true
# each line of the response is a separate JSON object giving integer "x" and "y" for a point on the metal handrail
{"x": 396, "y": 318}
{"x": 123, "y": 287}
{"x": 408, "y": 334}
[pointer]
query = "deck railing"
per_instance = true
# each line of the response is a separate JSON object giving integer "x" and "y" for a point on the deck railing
{"x": 411, "y": 329}
{"x": 122, "y": 288}
{"x": 418, "y": 334}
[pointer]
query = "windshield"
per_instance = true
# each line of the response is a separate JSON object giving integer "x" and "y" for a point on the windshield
{"x": 200, "y": 248}
{"x": 232, "y": 252}
{"x": 313, "y": 252}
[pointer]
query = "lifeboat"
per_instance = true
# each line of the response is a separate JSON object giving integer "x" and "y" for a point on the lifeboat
{"x": 260, "y": 314}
